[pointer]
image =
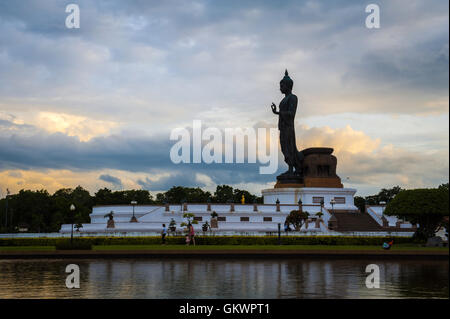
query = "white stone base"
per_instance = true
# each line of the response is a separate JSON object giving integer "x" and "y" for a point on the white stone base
{"x": 291, "y": 196}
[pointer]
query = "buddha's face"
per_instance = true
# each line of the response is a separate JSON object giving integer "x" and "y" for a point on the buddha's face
{"x": 284, "y": 87}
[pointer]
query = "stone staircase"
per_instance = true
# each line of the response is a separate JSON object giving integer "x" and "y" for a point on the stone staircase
{"x": 355, "y": 221}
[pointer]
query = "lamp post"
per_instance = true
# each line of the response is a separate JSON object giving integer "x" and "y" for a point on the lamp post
{"x": 279, "y": 234}
{"x": 6, "y": 210}
{"x": 133, "y": 218}
{"x": 182, "y": 204}
{"x": 332, "y": 202}
{"x": 72, "y": 209}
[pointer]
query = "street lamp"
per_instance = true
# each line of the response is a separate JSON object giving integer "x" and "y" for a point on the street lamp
{"x": 332, "y": 205}
{"x": 133, "y": 218}
{"x": 72, "y": 209}
{"x": 6, "y": 210}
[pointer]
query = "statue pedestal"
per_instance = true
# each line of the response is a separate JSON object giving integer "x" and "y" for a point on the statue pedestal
{"x": 292, "y": 181}
{"x": 328, "y": 182}
{"x": 318, "y": 169}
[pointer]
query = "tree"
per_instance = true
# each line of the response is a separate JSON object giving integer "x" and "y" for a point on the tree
{"x": 385, "y": 195}
{"x": 161, "y": 198}
{"x": 143, "y": 197}
{"x": 226, "y": 194}
{"x": 61, "y": 201}
{"x": 103, "y": 197}
{"x": 360, "y": 202}
{"x": 249, "y": 198}
{"x": 425, "y": 207}
{"x": 223, "y": 194}
{"x": 83, "y": 203}
{"x": 32, "y": 208}
{"x": 107, "y": 197}
{"x": 178, "y": 194}
{"x": 297, "y": 218}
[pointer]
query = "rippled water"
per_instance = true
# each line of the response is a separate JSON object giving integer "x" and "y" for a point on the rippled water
{"x": 216, "y": 278}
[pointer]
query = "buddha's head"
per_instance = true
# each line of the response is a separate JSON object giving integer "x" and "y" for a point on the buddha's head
{"x": 286, "y": 84}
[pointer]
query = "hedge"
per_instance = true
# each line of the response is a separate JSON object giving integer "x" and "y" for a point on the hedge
{"x": 75, "y": 245}
{"x": 210, "y": 240}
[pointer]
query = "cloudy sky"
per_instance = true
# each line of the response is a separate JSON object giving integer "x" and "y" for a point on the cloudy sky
{"x": 95, "y": 106}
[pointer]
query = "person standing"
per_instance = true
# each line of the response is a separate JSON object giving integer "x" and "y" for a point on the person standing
{"x": 163, "y": 234}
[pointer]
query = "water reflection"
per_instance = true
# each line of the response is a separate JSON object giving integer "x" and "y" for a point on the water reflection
{"x": 204, "y": 278}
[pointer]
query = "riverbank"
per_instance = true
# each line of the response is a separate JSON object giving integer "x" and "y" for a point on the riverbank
{"x": 227, "y": 251}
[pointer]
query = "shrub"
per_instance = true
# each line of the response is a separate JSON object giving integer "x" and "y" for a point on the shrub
{"x": 209, "y": 240}
{"x": 297, "y": 218}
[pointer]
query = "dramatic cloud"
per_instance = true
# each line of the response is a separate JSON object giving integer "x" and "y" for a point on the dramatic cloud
{"x": 363, "y": 162}
{"x": 101, "y": 100}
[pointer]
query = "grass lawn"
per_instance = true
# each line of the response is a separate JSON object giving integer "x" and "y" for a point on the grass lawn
{"x": 260, "y": 247}
{"x": 399, "y": 247}
{"x": 26, "y": 248}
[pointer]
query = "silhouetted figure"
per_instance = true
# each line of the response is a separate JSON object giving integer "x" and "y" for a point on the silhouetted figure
{"x": 286, "y": 117}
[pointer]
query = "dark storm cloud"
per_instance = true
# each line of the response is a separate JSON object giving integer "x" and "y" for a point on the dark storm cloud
{"x": 424, "y": 68}
{"x": 111, "y": 179}
{"x": 182, "y": 178}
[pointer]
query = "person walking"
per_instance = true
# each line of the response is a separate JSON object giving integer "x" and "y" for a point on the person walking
{"x": 191, "y": 233}
{"x": 163, "y": 234}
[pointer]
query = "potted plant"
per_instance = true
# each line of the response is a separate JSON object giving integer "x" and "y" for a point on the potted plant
{"x": 110, "y": 223}
{"x": 172, "y": 225}
{"x": 214, "y": 223}
{"x": 205, "y": 226}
